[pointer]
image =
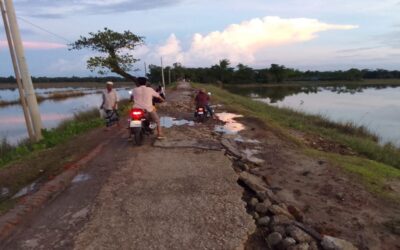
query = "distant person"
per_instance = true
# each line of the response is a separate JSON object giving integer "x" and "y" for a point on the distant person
{"x": 202, "y": 99}
{"x": 143, "y": 99}
{"x": 160, "y": 91}
{"x": 110, "y": 105}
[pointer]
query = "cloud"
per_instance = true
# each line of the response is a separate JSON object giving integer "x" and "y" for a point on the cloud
{"x": 353, "y": 50}
{"x": 68, "y": 66}
{"x": 61, "y": 8}
{"x": 36, "y": 45}
{"x": 241, "y": 42}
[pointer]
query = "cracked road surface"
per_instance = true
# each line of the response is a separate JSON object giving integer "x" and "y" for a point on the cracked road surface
{"x": 146, "y": 198}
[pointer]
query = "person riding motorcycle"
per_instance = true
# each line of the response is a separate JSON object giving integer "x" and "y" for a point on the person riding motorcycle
{"x": 143, "y": 99}
{"x": 202, "y": 99}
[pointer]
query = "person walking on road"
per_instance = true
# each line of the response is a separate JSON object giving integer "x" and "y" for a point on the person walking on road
{"x": 110, "y": 105}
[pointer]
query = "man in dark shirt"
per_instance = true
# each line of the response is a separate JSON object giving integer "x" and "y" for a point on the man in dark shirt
{"x": 202, "y": 99}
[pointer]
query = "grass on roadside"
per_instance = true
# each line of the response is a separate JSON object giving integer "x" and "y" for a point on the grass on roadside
{"x": 375, "y": 176}
{"x": 81, "y": 123}
{"x": 377, "y": 164}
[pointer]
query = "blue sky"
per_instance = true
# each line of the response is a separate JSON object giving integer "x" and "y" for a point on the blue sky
{"x": 307, "y": 34}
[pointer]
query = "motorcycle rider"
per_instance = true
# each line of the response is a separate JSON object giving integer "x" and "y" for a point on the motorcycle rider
{"x": 202, "y": 99}
{"x": 143, "y": 99}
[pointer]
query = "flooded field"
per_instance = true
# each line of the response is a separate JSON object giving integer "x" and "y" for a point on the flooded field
{"x": 12, "y": 122}
{"x": 375, "y": 107}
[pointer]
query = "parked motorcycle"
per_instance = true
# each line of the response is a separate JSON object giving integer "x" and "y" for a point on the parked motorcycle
{"x": 140, "y": 125}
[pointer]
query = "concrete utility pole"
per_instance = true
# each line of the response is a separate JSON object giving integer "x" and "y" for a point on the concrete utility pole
{"x": 23, "y": 69}
{"x": 17, "y": 74}
{"x": 162, "y": 73}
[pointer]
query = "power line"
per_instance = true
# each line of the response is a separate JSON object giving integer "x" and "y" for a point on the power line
{"x": 45, "y": 30}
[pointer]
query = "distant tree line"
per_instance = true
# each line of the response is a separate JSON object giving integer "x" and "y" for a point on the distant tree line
{"x": 241, "y": 74}
{"x": 12, "y": 79}
{"x": 223, "y": 72}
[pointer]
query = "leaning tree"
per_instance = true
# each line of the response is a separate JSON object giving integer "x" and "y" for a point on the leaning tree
{"x": 115, "y": 49}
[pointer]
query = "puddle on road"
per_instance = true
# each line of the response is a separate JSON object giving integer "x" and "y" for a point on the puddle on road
{"x": 169, "y": 122}
{"x": 231, "y": 126}
{"x": 249, "y": 141}
{"x": 81, "y": 178}
{"x": 26, "y": 190}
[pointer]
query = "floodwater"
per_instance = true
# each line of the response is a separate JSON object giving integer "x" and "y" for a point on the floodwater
{"x": 169, "y": 122}
{"x": 231, "y": 126}
{"x": 13, "y": 94}
{"x": 53, "y": 112}
{"x": 375, "y": 107}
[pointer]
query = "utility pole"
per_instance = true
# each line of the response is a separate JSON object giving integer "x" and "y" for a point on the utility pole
{"x": 17, "y": 74}
{"x": 24, "y": 71}
{"x": 145, "y": 69}
{"x": 162, "y": 73}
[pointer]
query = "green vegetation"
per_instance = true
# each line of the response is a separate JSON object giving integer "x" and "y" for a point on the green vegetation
{"x": 376, "y": 164}
{"x": 375, "y": 176}
{"x": 243, "y": 74}
{"x": 81, "y": 123}
{"x": 115, "y": 47}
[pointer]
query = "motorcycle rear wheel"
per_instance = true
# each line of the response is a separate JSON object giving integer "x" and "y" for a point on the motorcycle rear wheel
{"x": 138, "y": 136}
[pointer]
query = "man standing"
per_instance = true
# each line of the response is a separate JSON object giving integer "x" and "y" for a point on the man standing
{"x": 110, "y": 105}
{"x": 143, "y": 98}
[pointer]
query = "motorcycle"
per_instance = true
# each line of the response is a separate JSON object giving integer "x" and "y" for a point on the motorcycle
{"x": 140, "y": 125}
{"x": 201, "y": 114}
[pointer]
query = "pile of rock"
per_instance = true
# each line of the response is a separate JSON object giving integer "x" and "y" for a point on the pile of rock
{"x": 281, "y": 225}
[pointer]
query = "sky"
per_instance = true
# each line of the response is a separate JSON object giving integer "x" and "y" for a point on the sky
{"x": 302, "y": 34}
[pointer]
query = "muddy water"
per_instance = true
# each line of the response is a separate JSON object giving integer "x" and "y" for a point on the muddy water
{"x": 375, "y": 107}
{"x": 12, "y": 122}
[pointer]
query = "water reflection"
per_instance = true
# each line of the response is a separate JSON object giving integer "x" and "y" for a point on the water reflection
{"x": 375, "y": 107}
{"x": 231, "y": 126}
{"x": 12, "y": 122}
{"x": 279, "y": 93}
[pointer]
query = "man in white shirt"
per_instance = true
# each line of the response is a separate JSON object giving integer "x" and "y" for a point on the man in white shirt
{"x": 143, "y": 98}
{"x": 110, "y": 104}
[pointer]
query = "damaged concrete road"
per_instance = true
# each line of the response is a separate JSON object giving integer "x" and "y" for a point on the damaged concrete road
{"x": 178, "y": 195}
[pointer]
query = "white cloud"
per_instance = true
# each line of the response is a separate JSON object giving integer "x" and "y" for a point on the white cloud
{"x": 171, "y": 50}
{"x": 241, "y": 42}
{"x": 69, "y": 65}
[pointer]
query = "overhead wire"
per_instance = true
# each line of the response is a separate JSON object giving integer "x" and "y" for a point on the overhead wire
{"x": 45, "y": 30}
